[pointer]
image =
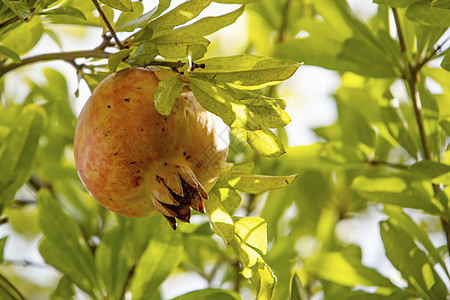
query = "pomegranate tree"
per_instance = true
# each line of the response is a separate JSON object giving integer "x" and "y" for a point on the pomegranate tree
{"x": 137, "y": 162}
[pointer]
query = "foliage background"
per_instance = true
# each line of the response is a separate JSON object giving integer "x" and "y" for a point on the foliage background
{"x": 382, "y": 164}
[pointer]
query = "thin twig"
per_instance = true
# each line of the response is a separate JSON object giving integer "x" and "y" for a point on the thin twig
{"x": 387, "y": 164}
{"x": 9, "y": 22}
{"x": 105, "y": 19}
{"x": 412, "y": 85}
{"x": 401, "y": 38}
{"x": 19, "y": 294}
{"x": 66, "y": 56}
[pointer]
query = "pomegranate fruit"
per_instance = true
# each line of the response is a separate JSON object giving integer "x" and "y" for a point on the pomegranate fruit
{"x": 137, "y": 162}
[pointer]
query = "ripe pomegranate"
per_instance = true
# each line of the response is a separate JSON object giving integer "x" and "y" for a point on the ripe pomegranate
{"x": 137, "y": 162}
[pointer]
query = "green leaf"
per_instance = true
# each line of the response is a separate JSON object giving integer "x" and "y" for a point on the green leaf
{"x": 422, "y": 13}
{"x": 365, "y": 59}
{"x": 139, "y": 22}
{"x": 401, "y": 251}
{"x": 179, "y": 15}
{"x": 252, "y": 231}
{"x": 161, "y": 257}
{"x": 230, "y": 198}
{"x": 181, "y": 45}
{"x": 63, "y": 246}
{"x": 19, "y": 8}
{"x": 209, "y": 25}
{"x": 298, "y": 292}
{"x": 208, "y": 294}
{"x": 65, "y": 10}
{"x": 403, "y": 221}
{"x": 249, "y": 243}
{"x": 221, "y": 220}
{"x": 256, "y": 184}
{"x": 398, "y": 191}
{"x": 445, "y": 64}
{"x": 218, "y": 101}
{"x": 126, "y": 17}
{"x": 270, "y": 115}
{"x": 246, "y": 71}
{"x": 115, "y": 59}
{"x": 18, "y": 151}
{"x": 265, "y": 143}
{"x": 143, "y": 55}
{"x": 397, "y": 129}
{"x": 113, "y": 262}
{"x": 395, "y": 3}
{"x": 10, "y": 53}
{"x": 236, "y": 1}
{"x": 438, "y": 173}
{"x": 165, "y": 94}
{"x": 64, "y": 290}
{"x": 24, "y": 37}
{"x": 2, "y": 248}
{"x": 336, "y": 267}
{"x": 123, "y": 5}
{"x": 440, "y": 3}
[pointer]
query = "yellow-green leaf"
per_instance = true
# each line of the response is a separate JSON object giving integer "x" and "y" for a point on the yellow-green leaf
{"x": 221, "y": 220}
{"x": 165, "y": 94}
{"x": 256, "y": 184}
{"x": 246, "y": 71}
{"x": 123, "y": 5}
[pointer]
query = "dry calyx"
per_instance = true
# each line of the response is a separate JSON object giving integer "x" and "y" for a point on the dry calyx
{"x": 137, "y": 162}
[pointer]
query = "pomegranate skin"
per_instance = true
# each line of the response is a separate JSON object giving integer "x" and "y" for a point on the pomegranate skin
{"x": 137, "y": 162}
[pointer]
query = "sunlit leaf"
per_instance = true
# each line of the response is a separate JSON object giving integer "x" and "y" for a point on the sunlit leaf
{"x": 207, "y": 294}
{"x": 115, "y": 59}
{"x": 246, "y": 71}
{"x": 230, "y": 198}
{"x": 126, "y": 17}
{"x": 220, "y": 219}
{"x": 65, "y": 10}
{"x": 179, "y": 15}
{"x": 123, "y": 5}
{"x": 144, "y": 54}
{"x": 209, "y": 25}
{"x": 256, "y": 184}
{"x": 250, "y": 243}
{"x": 218, "y": 101}
{"x": 180, "y": 45}
{"x": 265, "y": 143}
{"x": 165, "y": 94}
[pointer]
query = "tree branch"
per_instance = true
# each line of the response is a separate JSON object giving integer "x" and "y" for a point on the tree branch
{"x": 66, "y": 56}
{"x": 105, "y": 19}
